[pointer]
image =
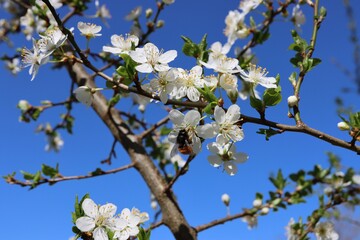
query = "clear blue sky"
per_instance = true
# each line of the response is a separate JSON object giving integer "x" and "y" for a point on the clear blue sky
{"x": 44, "y": 213}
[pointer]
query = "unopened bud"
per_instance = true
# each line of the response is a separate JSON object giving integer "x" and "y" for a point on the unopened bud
{"x": 233, "y": 95}
{"x": 292, "y": 101}
{"x": 160, "y": 24}
{"x": 225, "y": 198}
{"x": 23, "y": 105}
{"x": 343, "y": 126}
{"x": 168, "y": 2}
{"x": 148, "y": 12}
{"x": 257, "y": 202}
{"x": 153, "y": 205}
{"x": 265, "y": 210}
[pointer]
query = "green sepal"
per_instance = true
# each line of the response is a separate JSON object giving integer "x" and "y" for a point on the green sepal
{"x": 144, "y": 235}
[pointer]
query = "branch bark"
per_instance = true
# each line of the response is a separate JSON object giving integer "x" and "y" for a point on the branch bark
{"x": 172, "y": 214}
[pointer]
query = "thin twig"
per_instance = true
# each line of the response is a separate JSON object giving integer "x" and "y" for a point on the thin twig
{"x": 155, "y": 126}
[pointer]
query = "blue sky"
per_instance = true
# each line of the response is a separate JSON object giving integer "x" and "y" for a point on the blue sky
{"x": 44, "y": 213}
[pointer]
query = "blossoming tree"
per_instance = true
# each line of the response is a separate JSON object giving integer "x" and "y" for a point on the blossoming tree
{"x": 202, "y": 110}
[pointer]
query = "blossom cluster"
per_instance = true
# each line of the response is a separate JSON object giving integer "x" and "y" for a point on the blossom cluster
{"x": 98, "y": 220}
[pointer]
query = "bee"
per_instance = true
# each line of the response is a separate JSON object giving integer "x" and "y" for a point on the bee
{"x": 183, "y": 144}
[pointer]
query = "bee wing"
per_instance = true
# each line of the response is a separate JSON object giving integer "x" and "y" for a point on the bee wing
{"x": 174, "y": 150}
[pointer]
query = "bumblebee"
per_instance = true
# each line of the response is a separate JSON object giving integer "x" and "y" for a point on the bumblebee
{"x": 183, "y": 144}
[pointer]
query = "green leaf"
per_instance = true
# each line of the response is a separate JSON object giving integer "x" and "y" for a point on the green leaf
{"x": 267, "y": 132}
{"x": 144, "y": 235}
{"x": 209, "y": 108}
{"x": 272, "y": 96}
{"x": 279, "y": 182}
{"x": 114, "y": 100}
{"x": 27, "y": 175}
{"x": 165, "y": 131}
{"x": 50, "y": 171}
{"x": 97, "y": 172}
{"x": 257, "y": 104}
{"x": 36, "y": 113}
{"x": 208, "y": 94}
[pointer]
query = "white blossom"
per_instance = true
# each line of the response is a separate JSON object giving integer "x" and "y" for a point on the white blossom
{"x": 222, "y": 64}
{"x": 298, "y": 16}
{"x": 247, "y": 5}
{"x": 54, "y": 142}
{"x": 13, "y": 65}
{"x": 122, "y": 45}
{"x": 189, "y": 122}
{"x": 325, "y": 231}
{"x": 97, "y": 219}
{"x": 127, "y": 225}
{"x": 292, "y": 101}
{"x": 134, "y": 14}
{"x": 151, "y": 59}
{"x": 235, "y": 26}
{"x": 32, "y": 23}
{"x": 52, "y": 40}
{"x": 225, "y": 154}
{"x": 356, "y": 179}
{"x": 257, "y": 75}
{"x": 251, "y": 221}
{"x": 164, "y": 84}
{"x": 102, "y": 12}
{"x": 188, "y": 82}
{"x": 33, "y": 59}
{"x": 89, "y": 30}
{"x": 290, "y": 233}
{"x": 168, "y": 2}
{"x": 84, "y": 95}
{"x": 226, "y": 122}
{"x": 217, "y": 49}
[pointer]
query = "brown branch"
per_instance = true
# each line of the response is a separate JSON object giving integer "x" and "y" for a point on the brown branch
{"x": 303, "y": 129}
{"x": 52, "y": 181}
{"x": 155, "y": 126}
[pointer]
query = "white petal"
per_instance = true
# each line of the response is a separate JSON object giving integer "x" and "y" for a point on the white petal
{"x": 83, "y": 95}
{"x": 144, "y": 68}
{"x": 173, "y": 136}
{"x": 163, "y": 97}
{"x": 138, "y": 55}
{"x": 196, "y": 145}
{"x": 236, "y": 134}
{"x": 214, "y": 160}
{"x": 168, "y": 56}
{"x": 197, "y": 70}
{"x": 214, "y": 147}
{"x": 176, "y": 117}
{"x": 268, "y": 82}
{"x": 85, "y": 224}
{"x": 206, "y": 131}
{"x": 90, "y": 208}
{"x": 112, "y": 50}
{"x": 100, "y": 234}
{"x": 161, "y": 67}
{"x": 108, "y": 210}
{"x": 233, "y": 114}
{"x": 193, "y": 94}
{"x": 192, "y": 118}
{"x": 133, "y": 231}
{"x": 133, "y": 221}
{"x": 240, "y": 157}
{"x": 230, "y": 168}
{"x": 219, "y": 114}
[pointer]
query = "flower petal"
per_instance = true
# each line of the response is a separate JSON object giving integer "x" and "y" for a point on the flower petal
{"x": 230, "y": 168}
{"x": 206, "y": 131}
{"x": 219, "y": 115}
{"x": 192, "y": 118}
{"x": 240, "y": 157}
{"x": 85, "y": 224}
{"x": 176, "y": 117}
{"x": 90, "y": 208}
{"x": 233, "y": 114}
{"x": 100, "y": 234}
{"x": 144, "y": 68}
{"x": 108, "y": 210}
{"x": 214, "y": 160}
{"x": 168, "y": 56}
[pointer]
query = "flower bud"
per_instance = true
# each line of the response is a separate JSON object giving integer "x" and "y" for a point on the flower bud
{"x": 257, "y": 202}
{"x": 168, "y": 2}
{"x": 233, "y": 95}
{"x": 148, "y": 12}
{"x": 153, "y": 205}
{"x": 23, "y": 105}
{"x": 265, "y": 210}
{"x": 343, "y": 126}
{"x": 292, "y": 101}
{"x": 160, "y": 24}
{"x": 225, "y": 198}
